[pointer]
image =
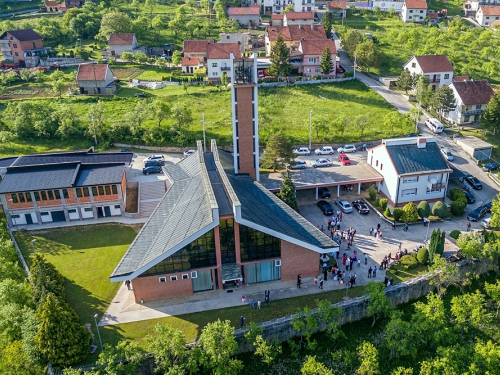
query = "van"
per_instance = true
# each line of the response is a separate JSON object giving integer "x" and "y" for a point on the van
{"x": 434, "y": 125}
{"x": 486, "y": 223}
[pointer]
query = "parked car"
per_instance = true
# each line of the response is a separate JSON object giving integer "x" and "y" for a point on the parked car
{"x": 189, "y": 152}
{"x": 325, "y": 207}
{"x": 297, "y": 164}
{"x": 302, "y": 151}
{"x": 124, "y": 150}
{"x": 325, "y": 150}
{"x": 486, "y": 223}
{"x": 491, "y": 166}
{"x": 365, "y": 147}
{"x": 344, "y": 205}
{"x": 152, "y": 169}
{"x": 139, "y": 95}
{"x": 324, "y": 192}
{"x": 344, "y": 159}
{"x": 488, "y": 206}
{"x": 477, "y": 214}
{"x": 412, "y": 135}
{"x": 154, "y": 163}
{"x": 164, "y": 56}
{"x": 469, "y": 196}
{"x": 447, "y": 153}
{"x": 360, "y": 205}
{"x": 321, "y": 163}
{"x": 471, "y": 181}
{"x": 434, "y": 125}
{"x": 346, "y": 148}
{"x": 154, "y": 157}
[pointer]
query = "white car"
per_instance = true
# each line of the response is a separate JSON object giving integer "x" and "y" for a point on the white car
{"x": 447, "y": 154}
{"x": 302, "y": 151}
{"x": 346, "y": 148}
{"x": 154, "y": 157}
{"x": 434, "y": 125}
{"x": 325, "y": 150}
{"x": 189, "y": 152}
{"x": 321, "y": 163}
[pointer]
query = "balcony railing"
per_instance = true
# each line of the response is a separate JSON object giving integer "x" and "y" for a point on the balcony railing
{"x": 224, "y": 67}
{"x": 473, "y": 112}
{"x": 431, "y": 188}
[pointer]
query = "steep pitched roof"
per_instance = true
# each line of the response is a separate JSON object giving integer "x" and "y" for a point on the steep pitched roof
{"x": 409, "y": 159}
{"x": 296, "y": 32}
{"x": 316, "y": 46}
{"x": 122, "y": 39}
{"x": 276, "y": 16}
{"x": 190, "y": 61}
{"x": 474, "y": 92}
{"x": 416, "y": 4}
{"x": 196, "y": 46}
{"x": 299, "y": 15}
{"x": 434, "y": 63}
{"x": 490, "y": 10}
{"x": 247, "y": 11}
{"x": 222, "y": 50}
{"x": 91, "y": 72}
{"x": 23, "y": 35}
{"x": 332, "y": 5}
{"x": 460, "y": 78}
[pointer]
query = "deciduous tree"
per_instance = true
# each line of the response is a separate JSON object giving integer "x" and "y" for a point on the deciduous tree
{"x": 369, "y": 359}
{"x": 493, "y": 291}
{"x": 470, "y": 309}
{"x": 368, "y": 53}
{"x": 379, "y": 305}
{"x": 182, "y": 116}
{"x": 161, "y": 110}
{"x": 176, "y": 58}
{"x": 278, "y": 152}
{"x": 443, "y": 100}
{"x": 114, "y": 22}
{"x": 490, "y": 119}
{"x": 405, "y": 81}
{"x": 312, "y": 367}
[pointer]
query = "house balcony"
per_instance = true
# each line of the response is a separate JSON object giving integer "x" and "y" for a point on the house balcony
{"x": 473, "y": 112}
{"x": 435, "y": 187}
{"x": 224, "y": 67}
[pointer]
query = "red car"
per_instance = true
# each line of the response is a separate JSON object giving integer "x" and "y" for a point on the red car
{"x": 344, "y": 159}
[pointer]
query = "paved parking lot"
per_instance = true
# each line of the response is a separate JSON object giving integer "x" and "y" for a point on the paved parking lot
{"x": 134, "y": 172}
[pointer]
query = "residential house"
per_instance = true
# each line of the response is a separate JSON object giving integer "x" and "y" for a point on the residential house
{"x": 413, "y": 169}
{"x": 245, "y": 39}
{"x": 436, "y": 67}
{"x": 486, "y": 15}
{"x": 218, "y": 59}
{"x": 95, "y": 79}
{"x": 277, "y": 20}
{"x": 312, "y": 51}
{"x": 63, "y": 187}
{"x": 433, "y": 19}
{"x": 196, "y": 48}
{"x": 298, "y": 5}
{"x": 190, "y": 64}
{"x": 123, "y": 42}
{"x": 298, "y": 18}
{"x": 338, "y": 8}
{"x": 24, "y": 45}
{"x": 414, "y": 11}
{"x": 292, "y": 35}
{"x": 248, "y": 16}
{"x": 52, "y": 6}
{"x": 74, "y": 3}
{"x": 471, "y": 98}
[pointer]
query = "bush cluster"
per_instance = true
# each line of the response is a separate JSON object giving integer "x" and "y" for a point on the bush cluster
{"x": 409, "y": 261}
{"x": 424, "y": 209}
{"x": 397, "y": 213}
{"x": 373, "y": 194}
{"x": 410, "y": 213}
{"x": 454, "y": 234}
{"x": 440, "y": 210}
{"x": 459, "y": 202}
{"x": 383, "y": 203}
{"x": 423, "y": 255}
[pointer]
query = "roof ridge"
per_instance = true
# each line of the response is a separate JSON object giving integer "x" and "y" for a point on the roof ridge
{"x": 206, "y": 180}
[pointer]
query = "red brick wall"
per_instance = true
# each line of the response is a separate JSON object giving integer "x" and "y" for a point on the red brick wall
{"x": 11, "y": 205}
{"x": 150, "y": 289}
{"x": 296, "y": 259}
{"x": 124, "y": 183}
{"x": 71, "y": 197}
{"x": 23, "y": 46}
{"x": 245, "y": 130}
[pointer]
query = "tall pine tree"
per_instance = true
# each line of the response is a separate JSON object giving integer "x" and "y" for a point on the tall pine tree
{"x": 287, "y": 192}
{"x": 280, "y": 58}
{"x": 490, "y": 119}
{"x": 326, "y": 61}
{"x": 327, "y": 22}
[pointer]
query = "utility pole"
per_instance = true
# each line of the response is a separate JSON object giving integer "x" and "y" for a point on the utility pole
{"x": 93, "y": 128}
{"x": 310, "y": 129}
{"x": 354, "y": 74}
{"x": 204, "y": 139}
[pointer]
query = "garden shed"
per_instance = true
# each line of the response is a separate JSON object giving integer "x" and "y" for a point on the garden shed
{"x": 476, "y": 148}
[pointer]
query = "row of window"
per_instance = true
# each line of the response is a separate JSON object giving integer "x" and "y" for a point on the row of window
{"x": 184, "y": 276}
{"x": 96, "y": 191}
{"x": 49, "y": 195}
{"x": 411, "y": 11}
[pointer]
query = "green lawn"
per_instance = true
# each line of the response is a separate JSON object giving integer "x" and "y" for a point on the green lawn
{"x": 400, "y": 274}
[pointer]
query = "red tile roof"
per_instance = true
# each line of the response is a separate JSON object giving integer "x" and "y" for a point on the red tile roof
{"x": 461, "y": 78}
{"x": 317, "y": 46}
{"x": 86, "y": 72}
{"x": 432, "y": 16}
{"x": 337, "y": 5}
{"x": 474, "y": 92}
{"x": 496, "y": 23}
{"x": 277, "y": 17}
{"x": 490, "y": 11}
{"x": 23, "y": 35}
{"x": 299, "y": 15}
{"x": 296, "y": 32}
{"x": 222, "y": 50}
{"x": 51, "y": 3}
{"x": 434, "y": 63}
{"x": 196, "y": 46}
{"x": 121, "y": 39}
{"x": 249, "y": 11}
{"x": 416, "y": 4}
{"x": 190, "y": 61}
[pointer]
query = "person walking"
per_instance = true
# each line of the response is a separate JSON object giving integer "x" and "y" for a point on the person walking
{"x": 371, "y": 231}
{"x": 267, "y": 295}
{"x": 299, "y": 281}
{"x": 370, "y": 272}
{"x": 374, "y": 271}
{"x": 347, "y": 264}
{"x": 468, "y": 226}
{"x": 242, "y": 321}
{"x": 359, "y": 263}
{"x": 321, "y": 284}
{"x": 350, "y": 264}
{"x": 325, "y": 274}
{"x": 251, "y": 304}
{"x": 258, "y": 304}
{"x": 366, "y": 259}
{"x": 406, "y": 227}
{"x": 394, "y": 225}
{"x": 386, "y": 280}
{"x": 399, "y": 246}
{"x": 353, "y": 279}
{"x": 127, "y": 283}
{"x": 378, "y": 226}
{"x": 243, "y": 298}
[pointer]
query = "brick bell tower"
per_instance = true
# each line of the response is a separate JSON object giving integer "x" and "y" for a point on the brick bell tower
{"x": 244, "y": 106}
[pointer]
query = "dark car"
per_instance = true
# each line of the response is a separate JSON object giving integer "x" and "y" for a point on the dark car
{"x": 154, "y": 163}
{"x": 325, "y": 207}
{"x": 470, "y": 197}
{"x": 360, "y": 205}
{"x": 124, "y": 150}
{"x": 491, "y": 166}
{"x": 477, "y": 214}
{"x": 366, "y": 146}
{"x": 488, "y": 206}
{"x": 324, "y": 192}
{"x": 153, "y": 169}
{"x": 472, "y": 181}
{"x": 411, "y": 135}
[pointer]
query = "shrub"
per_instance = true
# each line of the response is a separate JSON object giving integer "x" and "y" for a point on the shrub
{"x": 410, "y": 213}
{"x": 408, "y": 260}
{"x": 439, "y": 209}
{"x": 377, "y": 201}
{"x": 424, "y": 209}
{"x": 423, "y": 255}
{"x": 397, "y": 213}
{"x": 383, "y": 203}
{"x": 388, "y": 212}
{"x": 455, "y": 194}
{"x": 457, "y": 208}
{"x": 454, "y": 234}
{"x": 373, "y": 194}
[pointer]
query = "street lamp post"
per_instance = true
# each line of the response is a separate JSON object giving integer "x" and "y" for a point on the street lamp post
{"x": 33, "y": 245}
{"x": 98, "y": 333}
{"x": 93, "y": 128}
{"x": 427, "y": 232}
{"x": 310, "y": 129}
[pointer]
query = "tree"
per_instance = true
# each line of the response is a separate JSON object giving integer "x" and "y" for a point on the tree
{"x": 443, "y": 100}
{"x": 278, "y": 152}
{"x": 280, "y": 58}
{"x": 161, "y": 110}
{"x": 122, "y": 359}
{"x": 429, "y": 321}
{"x": 215, "y": 347}
{"x": 350, "y": 41}
{"x": 312, "y": 367}
{"x": 287, "y": 192}
{"x": 327, "y": 22}
{"x": 96, "y": 115}
{"x": 267, "y": 352}
{"x": 45, "y": 279}
{"x": 487, "y": 357}
{"x": 114, "y": 22}
{"x": 368, "y": 355}
{"x": 401, "y": 370}
{"x": 423, "y": 93}
{"x": 26, "y": 74}
{"x": 424, "y": 209}
{"x": 439, "y": 209}
{"x": 158, "y": 24}
{"x": 471, "y": 244}
{"x": 329, "y": 313}
{"x": 405, "y": 81}
{"x": 150, "y": 5}
{"x": 127, "y": 56}
{"x": 362, "y": 123}
{"x": 410, "y": 213}
{"x": 443, "y": 274}
{"x": 399, "y": 337}
{"x": 493, "y": 291}
{"x": 224, "y": 80}
{"x": 369, "y": 54}
{"x": 288, "y": 8}
{"x": 83, "y": 53}
{"x": 61, "y": 339}
{"x": 379, "y": 305}
{"x": 436, "y": 244}
{"x": 182, "y": 116}
{"x": 136, "y": 116}
{"x": 490, "y": 119}
{"x": 7, "y": 78}
{"x": 58, "y": 87}
{"x": 470, "y": 309}
{"x": 176, "y": 58}
{"x": 326, "y": 60}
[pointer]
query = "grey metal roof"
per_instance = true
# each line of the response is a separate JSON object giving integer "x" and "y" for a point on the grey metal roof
{"x": 184, "y": 211}
{"x": 87, "y": 157}
{"x": 225, "y": 207}
{"x": 38, "y": 178}
{"x": 409, "y": 159}
{"x": 7, "y": 162}
{"x": 91, "y": 175}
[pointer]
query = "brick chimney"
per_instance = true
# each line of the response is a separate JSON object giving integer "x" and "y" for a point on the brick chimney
{"x": 421, "y": 142}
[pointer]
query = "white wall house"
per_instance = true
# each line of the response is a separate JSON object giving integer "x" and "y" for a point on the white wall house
{"x": 486, "y": 15}
{"x": 413, "y": 169}
{"x": 471, "y": 98}
{"x": 123, "y": 42}
{"x": 414, "y": 11}
{"x": 298, "y": 18}
{"x": 435, "y": 67}
{"x": 218, "y": 59}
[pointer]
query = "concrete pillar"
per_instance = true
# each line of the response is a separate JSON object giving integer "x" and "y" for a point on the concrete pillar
{"x": 121, "y": 198}
{"x": 37, "y": 209}
{"x": 338, "y": 191}
{"x": 359, "y": 188}
{"x": 6, "y": 210}
{"x": 78, "y": 208}
{"x": 317, "y": 190}
{"x": 65, "y": 209}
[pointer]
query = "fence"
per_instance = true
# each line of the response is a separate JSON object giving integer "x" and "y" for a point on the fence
{"x": 20, "y": 255}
